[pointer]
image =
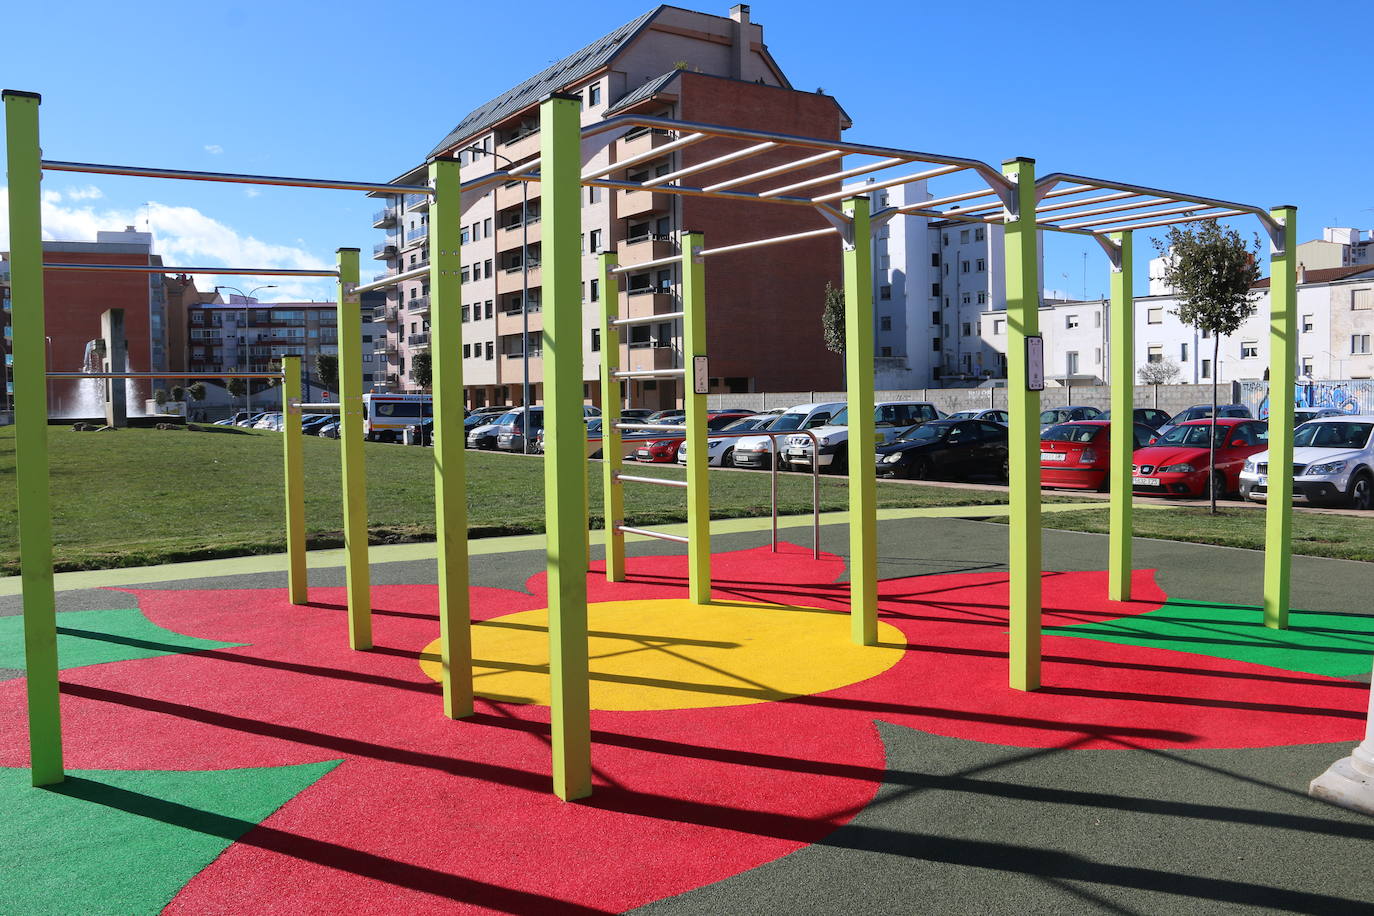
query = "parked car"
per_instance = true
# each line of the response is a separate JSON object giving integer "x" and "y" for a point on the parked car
{"x": 513, "y": 427}
{"x": 312, "y": 423}
{"x": 996, "y": 416}
{"x": 1149, "y": 416}
{"x": 636, "y": 415}
{"x": 832, "y": 440}
{"x": 1302, "y": 414}
{"x": 329, "y": 430}
{"x": 248, "y": 421}
{"x": 663, "y": 445}
{"x": 1176, "y": 463}
{"x": 1078, "y": 454}
{"x": 945, "y": 448}
{"x": 1333, "y": 463}
{"x": 1203, "y": 411}
{"x": 1056, "y": 415}
{"x": 757, "y": 451}
{"x": 484, "y": 435}
{"x": 720, "y": 450}
{"x": 269, "y": 421}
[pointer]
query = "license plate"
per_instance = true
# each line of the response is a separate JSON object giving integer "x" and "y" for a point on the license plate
{"x": 643, "y": 453}
{"x": 797, "y": 452}
{"x": 1145, "y": 481}
{"x": 1053, "y": 456}
{"x": 1264, "y": 481}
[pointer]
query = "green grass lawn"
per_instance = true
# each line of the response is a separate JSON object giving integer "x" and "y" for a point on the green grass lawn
{"x": 140, "y": 496}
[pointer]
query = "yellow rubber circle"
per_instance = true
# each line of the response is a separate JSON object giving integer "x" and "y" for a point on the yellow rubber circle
{"x": 674, "y": 654}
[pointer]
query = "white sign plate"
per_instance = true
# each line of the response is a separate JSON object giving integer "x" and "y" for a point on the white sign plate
{"x": 701, "y": 384}
{"x": 1035, "y": 363}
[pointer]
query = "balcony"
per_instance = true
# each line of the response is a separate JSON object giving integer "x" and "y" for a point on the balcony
{"x": 511, "y": 234}
{"x": 384, "y": 250}
{"x": 418, "y": 304}
{"x": 391, "y": 347}
{"x": 513, "y": 322}
{"x": 641, "y": 140}
{"x": 513, "y": 280}
{"x": 388, "y": 313}
{"x": 639, "y": 203}
{"x": 384, "y": 218}
{"x": 638, "y": 358}
{"x": 416, "y": 236}
{"x": 646, "y": 247}
{"x": 416, "y": 203}
{"x": 510, "y": 195}
{"x": 648, "y": 303}
{"x": 418, "y": 340}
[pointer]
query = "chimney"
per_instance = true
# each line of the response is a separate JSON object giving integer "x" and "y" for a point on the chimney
{"x": 1302, "y": 273}
{"x": 739, "y": 32}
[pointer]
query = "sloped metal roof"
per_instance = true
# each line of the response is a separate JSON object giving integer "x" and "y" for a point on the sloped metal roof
{"x": 570, "y": 69}
{"x": 648, "y": 90}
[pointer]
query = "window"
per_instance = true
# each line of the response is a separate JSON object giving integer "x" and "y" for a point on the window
{"x": 1249, "y": 349}
{"x": 982, "y": 265}
{"x": 486, "y": 269}
{"x": 935, "y": 259}
{"x": 1154, "y": 316}
{"x": 491, "y": 350}
{"x": 979, "y": 234}
{"x": 884, "y": 262}
{"x": 595, "y": 287}
{"x": 884, "y": 292}
{"x": 1097, "y": 356}
{"x": 1206, "y": 368}
{"x": 999, "y": 326}
{"x": 1097, "y": 319}
{"x": 467, "y": 351}
{"x": 1071, "y": 363}
{"x": 963, "y": 267}
{"x": 596, "y": 340}
{"x": 1070, "y": 321}
{"x": 1362, "y": 299}
{"x": 934, "y": 317}
{"x": 963, "y": 236}
{"x": 885, "y": 323}
{"x": 1183, "y": 353}
{"x": 489, "y": 310}
{"x": 463, "y": 236}
{"x": 968, "y": 329}
{"x": 486, "y": 227}
{"x": 1359, "y": 344}
{"x": 1154, "y": 353}
{"x": 946, "y": 238}
{"x": 935, "y": 344}
{"x": 1307, "y": 323}
{"x": 966, "y": 298}
{"x": 594, "y": 195}
{"x": 466, "y": 275}
{"x": 982, "y": 297}
{"x": 1306, "y": 368}
{"x": 886, "y": 351}
{"x": 594, "y": 94}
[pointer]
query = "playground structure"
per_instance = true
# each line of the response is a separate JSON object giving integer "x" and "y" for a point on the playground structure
{"x": 1011, "y": 196}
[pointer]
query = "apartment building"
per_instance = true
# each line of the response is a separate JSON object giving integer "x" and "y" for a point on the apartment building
{"x": 1338, "y": 247}
{"x": 763, "y": 307}
{"x": 251, "y": 336}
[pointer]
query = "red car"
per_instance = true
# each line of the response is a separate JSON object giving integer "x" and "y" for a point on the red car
{"x": 1076, "y": 456}
{"x": 663, "y": 449}
{"x": 1176, "y": 463}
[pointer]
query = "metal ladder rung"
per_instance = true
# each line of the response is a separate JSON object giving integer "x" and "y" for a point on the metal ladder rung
{"x": 675, "y": 426}
{"x": 661, "y": 481}
{"x": 661, "y": 535}
{"x": 651, "y": 373}
{"x": 647, "y": 319}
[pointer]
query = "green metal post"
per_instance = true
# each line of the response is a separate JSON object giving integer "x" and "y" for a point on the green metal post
{"x": 357, "y": 576}
{"x": 1283, "y": 353}
{"x": 694, "y": 400}
{"x": 565, "y": 458}
{"x": 450, "y": 486}
{"x": 31, "y": 436}
{"x": 1023, "y": 446}
{"x": 612, "y": 456}
{"x": 858, "y": 372}
{"x": 293, "y": 466}
{"x": 1123, "y": 418}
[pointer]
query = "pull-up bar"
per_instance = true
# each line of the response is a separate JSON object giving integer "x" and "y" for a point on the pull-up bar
{"x": 159, "y": 269}
{"x": 392, "y": 280}
{"x": 95, "y": 168}
{"x": 216, "y": 375}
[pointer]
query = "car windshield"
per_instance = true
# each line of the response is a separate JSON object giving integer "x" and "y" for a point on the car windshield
{"x": 744, "y": 423}
{"x": 1191, "y": 435}
{"x": 1068, "y": 432}
{"x": 928, "y": 432}
{"x": 1053, "y": 416}
{"x": 789, "y": 421}
{"x": 1332, "y": 435}
{"x": 594, "y": 426}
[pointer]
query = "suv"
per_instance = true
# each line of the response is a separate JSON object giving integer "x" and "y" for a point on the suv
{"x": 757, "y": 451}
{"x": 889, "y": 419}
{"x": 1333, "y": 462}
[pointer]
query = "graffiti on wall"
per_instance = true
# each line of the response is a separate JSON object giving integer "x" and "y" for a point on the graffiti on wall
{"x": 1351, "y": 396}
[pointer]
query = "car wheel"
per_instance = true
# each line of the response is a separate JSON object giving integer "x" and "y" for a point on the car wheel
{"x": 839, "y": 464}
{"x": 727, "y": 458}
{"x": 1361, "y": 495}
{"x": 919, "y": 469}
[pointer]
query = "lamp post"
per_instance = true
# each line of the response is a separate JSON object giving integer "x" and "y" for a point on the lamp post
{"x": 243, "y": 367}
{"x": 524, "y": 296}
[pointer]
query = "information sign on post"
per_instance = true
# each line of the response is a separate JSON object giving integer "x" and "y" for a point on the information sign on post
{"x": 700, "y": 382}
{"x": 1035, "y": 363}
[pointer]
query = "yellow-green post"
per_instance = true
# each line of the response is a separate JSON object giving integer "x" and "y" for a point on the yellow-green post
{"x": 293, "y": 465}
{"x": 357, "y": 576}
{"x": 31, "y": 437}
{"x": 1023, "y": 445}
{"x": 858, "y": 372}
{"x": 612, "y": 458}
{"x": 565, "y": 457}
{"x": 698, "y": 478}
{"x": 450, "y": 487}
{"x": 1283, "y": 353}
{"x": 1123, "y": 418}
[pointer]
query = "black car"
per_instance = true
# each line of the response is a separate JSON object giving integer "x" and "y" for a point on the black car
{"x": 946, "y": 448}
{"x": 1148, "y": 416}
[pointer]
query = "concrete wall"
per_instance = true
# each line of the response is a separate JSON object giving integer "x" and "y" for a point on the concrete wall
{"x": 1170, "y": 398}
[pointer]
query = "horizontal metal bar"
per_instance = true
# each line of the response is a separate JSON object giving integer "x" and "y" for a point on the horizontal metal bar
{"x": 661, "y": 262}
{"x": 141, "y": 172}
{"x": 1061, "y": 192}
{"x": 661, "y": 535}
{"x": 1117, "y": 208}
{"x": 231, "y": 374}
{"x": 837, "y": 176}
{"x": 940, "y": 201}
{"x": 711, "y": 163}
{"x": 1119, "y": 195}
{"x": 227, "y": 271}
{"x": 651, "y": 373}
{"x": 668, "y": 426}
{"x": 776, "y": 240}
{"x": 415, "y": 274}
{"x": 1224, "y": 214}
{"x": 688, "y": 191}
{"x": 890, "y": 183}
{"x": 1186, "y": 208}
{"x": 647, "y": 319}
{"x": 603, "y": 170}
{"x": 1097, "y": 183}
{"x": 775, "y": 170}
{"x": 954, "y": 216}
{"x": 322, "y": 405}
{"x": 660, "y": 481}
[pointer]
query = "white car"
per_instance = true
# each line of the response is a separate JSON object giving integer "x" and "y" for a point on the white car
{"x": 720, "y": 450}
{"x": 1333, "y": 463}
{"x": 757, "y": 451}
{"x": 992, "y": 414}
{"x": 889, "y": 419}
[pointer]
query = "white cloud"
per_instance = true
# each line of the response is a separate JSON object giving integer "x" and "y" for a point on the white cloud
{"x": 252, "y": 192}
{"x": 214, "y": 149}
{"x": 52, "y": 197}
{"x": 89, "y": 192}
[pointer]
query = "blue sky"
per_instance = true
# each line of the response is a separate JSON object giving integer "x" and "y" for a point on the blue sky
{"x": 1264, "y": 103}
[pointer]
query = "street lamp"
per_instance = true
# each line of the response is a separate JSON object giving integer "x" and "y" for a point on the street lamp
{"x": 524, "y": 293}
{"x": 243, "y": 366}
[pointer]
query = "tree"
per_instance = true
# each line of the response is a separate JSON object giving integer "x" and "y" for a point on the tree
{"x": 197, "y": 391}
{"x": 236, "y": 387}
{"x": 1159, "y": 373}
{"x": 327, "y": 370}
{"x": 1213, "y": 273}
{"x": 832, "y": 319}
{"x": 178, "y": 393}
{"x": 421, "y": 368}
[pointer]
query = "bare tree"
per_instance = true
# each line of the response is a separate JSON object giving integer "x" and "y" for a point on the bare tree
{"x": 1162, "y": 372}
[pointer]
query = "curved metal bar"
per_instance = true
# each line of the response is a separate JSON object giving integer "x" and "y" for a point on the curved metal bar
{"x": 1271, "y": 225}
